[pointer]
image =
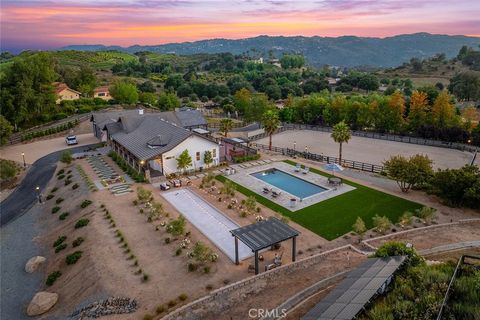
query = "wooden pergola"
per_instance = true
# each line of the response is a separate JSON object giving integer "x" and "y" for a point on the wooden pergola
{"x": 264, "y": 234}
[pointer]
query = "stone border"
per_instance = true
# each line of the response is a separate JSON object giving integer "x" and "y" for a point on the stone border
{"x": 221, "y": 293}
{"x": 450, "y": 247}
{"x": 366, "y": 242}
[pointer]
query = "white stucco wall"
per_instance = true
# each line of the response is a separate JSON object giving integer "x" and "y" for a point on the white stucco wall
{"x": 193, "y": 144}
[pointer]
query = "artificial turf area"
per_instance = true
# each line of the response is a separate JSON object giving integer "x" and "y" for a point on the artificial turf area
{"x": 334, "y": 217}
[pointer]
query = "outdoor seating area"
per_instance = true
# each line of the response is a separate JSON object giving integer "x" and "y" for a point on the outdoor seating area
{"x": 335, "y": 181}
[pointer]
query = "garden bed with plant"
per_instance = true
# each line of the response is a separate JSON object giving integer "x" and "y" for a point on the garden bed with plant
{"x": 138, "y": 177}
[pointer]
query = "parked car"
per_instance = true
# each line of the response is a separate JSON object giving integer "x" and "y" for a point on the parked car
{"x": 164, "y": 186}
{"x": 71, "y": 140}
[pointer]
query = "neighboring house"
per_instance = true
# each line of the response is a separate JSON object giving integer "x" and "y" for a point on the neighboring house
{"x": 102, "y": 93}
{"x": 63, "y": 92}
{"x": 150, "y": 143}
{"x": 184, "y": 117}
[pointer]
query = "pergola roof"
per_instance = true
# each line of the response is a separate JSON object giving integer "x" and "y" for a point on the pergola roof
{"x": 264, "y": 234}
{"x": 351, "y": 295}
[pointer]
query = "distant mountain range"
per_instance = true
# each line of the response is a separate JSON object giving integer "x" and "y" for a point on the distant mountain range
{"x": 346, "y": 51}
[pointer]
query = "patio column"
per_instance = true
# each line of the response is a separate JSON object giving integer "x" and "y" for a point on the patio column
{"x": 294, "y": 248}
{"x": 256, "y": 261}
{"x": 237, "y": 261}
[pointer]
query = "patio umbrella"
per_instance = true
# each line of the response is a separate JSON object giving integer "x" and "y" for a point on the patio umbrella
{"x": 333, "y": 167}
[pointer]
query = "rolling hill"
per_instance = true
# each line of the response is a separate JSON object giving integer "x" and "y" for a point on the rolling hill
{"x": 347, "y": 51}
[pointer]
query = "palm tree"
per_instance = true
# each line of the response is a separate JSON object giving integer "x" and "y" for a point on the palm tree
{"x": 271, "y": 123}
{"x": 226, "y": 125}
{"x": 340, "y": 134}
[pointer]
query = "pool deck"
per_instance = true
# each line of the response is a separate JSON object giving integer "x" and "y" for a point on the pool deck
{"x": 243, "y": 177}
{"x": 211, "y": 222}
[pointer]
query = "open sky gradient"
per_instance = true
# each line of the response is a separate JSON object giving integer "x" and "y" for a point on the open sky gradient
{"x": 45, "y": 24}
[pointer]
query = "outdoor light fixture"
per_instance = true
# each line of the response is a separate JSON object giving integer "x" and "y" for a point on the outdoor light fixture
{"x": 24, "y": 163}
{"x": 142, "y": 162}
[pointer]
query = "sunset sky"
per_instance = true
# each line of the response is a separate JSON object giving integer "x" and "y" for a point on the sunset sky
{"x": 45, "y": 24}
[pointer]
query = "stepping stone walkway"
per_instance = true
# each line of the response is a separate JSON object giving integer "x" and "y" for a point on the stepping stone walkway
{"x": 105, "y": 171}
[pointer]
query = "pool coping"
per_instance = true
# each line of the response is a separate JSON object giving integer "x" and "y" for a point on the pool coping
{"x": 243, "y": 177}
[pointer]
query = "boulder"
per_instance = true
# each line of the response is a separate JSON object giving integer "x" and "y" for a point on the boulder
{"x": 41, "y": 303}
{"x": 33, "y": 264}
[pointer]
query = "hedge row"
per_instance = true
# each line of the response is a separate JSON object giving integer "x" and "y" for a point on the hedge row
{"x": 50, "y": 131}
{"x": 246, "y": 158}
{"x": 138, "y": 177}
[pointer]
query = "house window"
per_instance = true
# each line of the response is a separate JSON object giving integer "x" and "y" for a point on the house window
{"x": 214, "y": 153}
{"x": 101, "y": 94}
{"x": 168, "y": 158}
{"x": 197, "y": 156}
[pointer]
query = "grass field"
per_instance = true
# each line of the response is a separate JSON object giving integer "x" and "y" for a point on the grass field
{"x": 334, "y": 217}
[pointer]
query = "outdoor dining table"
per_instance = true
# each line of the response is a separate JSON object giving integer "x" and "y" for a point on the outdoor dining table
{"x": 334, "y": 181}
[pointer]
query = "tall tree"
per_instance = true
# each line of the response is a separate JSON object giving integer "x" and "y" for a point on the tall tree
{"x": 226, "y": 126}
{"x": 207, "y": 158}
{"x": 396, "y": 104}
{"x": 124, "y": 92}
{"x": 5, "y": 130}
{"x": 270, "y": 122}
{"x": 418, "y": 110}
{"x": 242, "y": 100}
{"x": 409, "y": 172}
{"x": 443, "y": 110}
{"x": 341, "y": 134}
{"x": 184, "y": 160}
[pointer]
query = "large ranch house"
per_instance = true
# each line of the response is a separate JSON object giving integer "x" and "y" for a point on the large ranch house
{"x": 152, "y": 142}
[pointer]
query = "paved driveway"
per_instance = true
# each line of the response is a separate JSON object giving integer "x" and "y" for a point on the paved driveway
{"x": 19, "y": 201}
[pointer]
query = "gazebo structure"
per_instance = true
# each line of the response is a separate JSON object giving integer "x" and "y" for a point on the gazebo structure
{"x": 264, "y": 234}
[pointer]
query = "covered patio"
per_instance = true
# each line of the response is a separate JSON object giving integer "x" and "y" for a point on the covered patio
{"x": 264, "y": 234}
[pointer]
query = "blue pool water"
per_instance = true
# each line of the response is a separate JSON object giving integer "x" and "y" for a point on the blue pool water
{"x": 288, "y": 183}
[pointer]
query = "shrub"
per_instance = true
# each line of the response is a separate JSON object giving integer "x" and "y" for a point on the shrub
{"x": 77, "y": 242}
{"x": 60, "y": 177}
{"x": 66, "y": 157}
{"x": 178, "y": 252}
{"x": 67, "y": 182}
{"x": 85, "y": 203}
{"x": 52, "y": 277}
{"x": 393, "y": 248}
{"x": 74, "y": 257}
{"x": 176, "y": 227}
{"x": 59, "y": 240}
{"x": 426, "y": 213}
{"x": 147, "y": 317}
{"x": 81, "y": 223}
{"x": 381, "y": 224}
{"x": 54, "y": 190}
{"x": 406, "y": 218}
{"x": 182, "y": 297}
{"x": 192, "y": 267}
{"x": 60, "y": 247}
{"x": 50, "y": 196}
{"x": 160, "y": 309}
{"x": 206, "y": 269}
{"x": 359, "y": 226}
{"x": 61, "y": 171}
{"x": 55, "y": 209}
{"x": 167, "y": 240}
{"x": 59, "y": 200}
{"x": 209, "y": 287}
{"x": 171, "y": 303}
{"x": 63, "y": 216}
{"x": 75, "y": 186}
{"x": 246, "y": 158}
{"x": 145, "y": 277}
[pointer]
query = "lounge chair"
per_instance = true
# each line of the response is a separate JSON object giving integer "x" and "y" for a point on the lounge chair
{"x": 266, "y": 190}
{"x": 306, "y": 170}
{"x": 298, "y": 167}
{"x": 276, "y": 194}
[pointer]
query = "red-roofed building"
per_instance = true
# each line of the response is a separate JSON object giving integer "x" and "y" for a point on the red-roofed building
{"x": 63, "y": 92}
{"x": 102, "y": 93}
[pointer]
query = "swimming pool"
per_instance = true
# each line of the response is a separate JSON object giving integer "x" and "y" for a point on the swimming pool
{"x": 289, "y": 183}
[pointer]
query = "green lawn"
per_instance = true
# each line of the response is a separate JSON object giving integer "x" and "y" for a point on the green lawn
{"x": 334, "y": 217}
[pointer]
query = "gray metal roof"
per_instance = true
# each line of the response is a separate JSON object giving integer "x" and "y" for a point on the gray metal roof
{"x": 350, "y": 296}
{"x": 265, "y": 233}
{"x": 136, "y": 141}
{"x": 184, "y": 117}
